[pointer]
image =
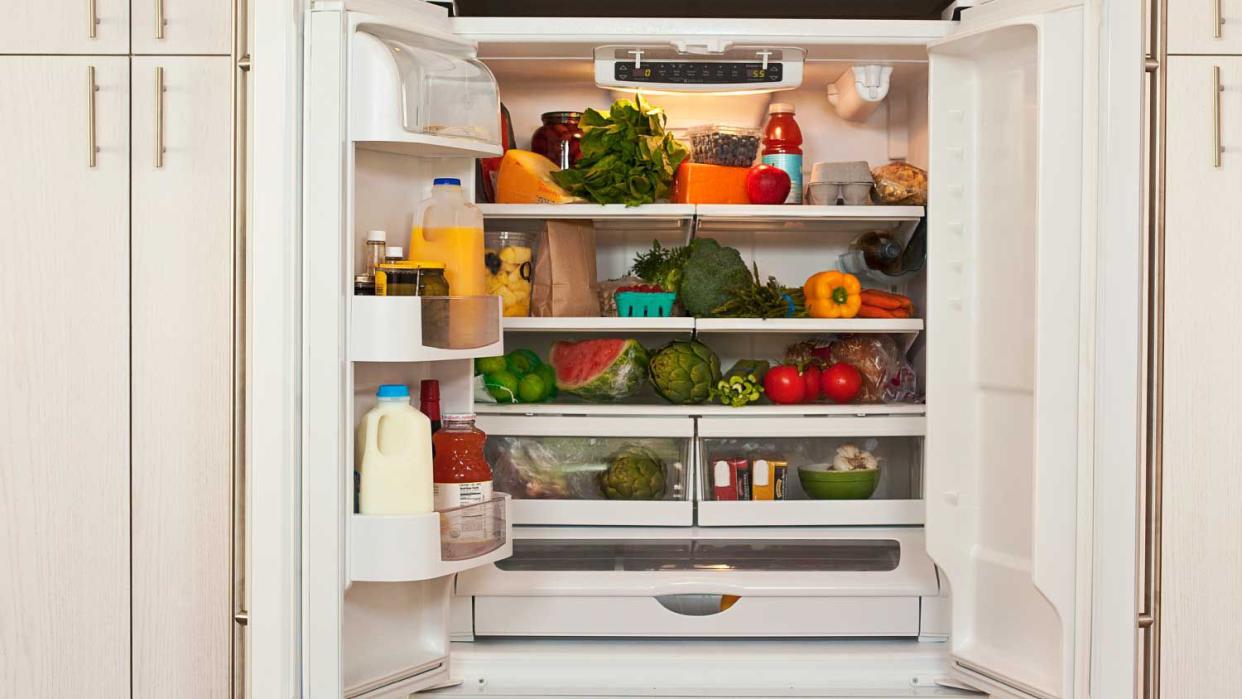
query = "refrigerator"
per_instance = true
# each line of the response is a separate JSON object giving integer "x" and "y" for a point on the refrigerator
{"x": 964, "y": 569}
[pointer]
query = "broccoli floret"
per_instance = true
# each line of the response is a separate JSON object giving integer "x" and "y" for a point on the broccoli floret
{"x": 710, "y": 272}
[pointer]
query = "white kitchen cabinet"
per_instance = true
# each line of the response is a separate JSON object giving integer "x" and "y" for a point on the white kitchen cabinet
{"x": 65, "y": 26}
{"x": 1202, "y": 545}
{"x": 196, "y": 27}
{"x": 1204, "y": 27}
{"x": 182, "y": 354}
{"x": 64, "y": 561}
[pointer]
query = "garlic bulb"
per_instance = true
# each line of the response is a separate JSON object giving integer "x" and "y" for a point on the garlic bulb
{"x": 851, "y": 458}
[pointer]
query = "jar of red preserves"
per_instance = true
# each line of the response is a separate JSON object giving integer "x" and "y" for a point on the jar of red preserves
{"x": 558, "y": 138}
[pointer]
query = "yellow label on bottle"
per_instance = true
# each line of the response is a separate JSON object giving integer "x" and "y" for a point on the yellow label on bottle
{"x": 381, "y": 283}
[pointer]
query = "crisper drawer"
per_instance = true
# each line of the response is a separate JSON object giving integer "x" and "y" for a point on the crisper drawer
{"x": 749, "y": 471}
{"x": 786, "y": 562}
{"x": 593, "y": 471}
{"x": 697, "y": 616}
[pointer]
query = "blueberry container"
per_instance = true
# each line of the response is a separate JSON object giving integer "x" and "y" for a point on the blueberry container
{"x": 724, "y": 145}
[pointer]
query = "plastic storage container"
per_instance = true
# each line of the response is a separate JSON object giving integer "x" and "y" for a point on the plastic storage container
{"x": 723, "y": 145}
{"x": 509, "y": 258}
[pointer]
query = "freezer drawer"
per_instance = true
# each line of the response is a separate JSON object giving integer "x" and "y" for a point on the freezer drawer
{"x": 696, "y": 616}
{"x": 789, "y": 562}
{"x": 748, "y": 473}
{"x": 591, "y": 471}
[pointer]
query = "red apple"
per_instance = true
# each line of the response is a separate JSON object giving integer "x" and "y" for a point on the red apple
{"x": 767, "y": 185}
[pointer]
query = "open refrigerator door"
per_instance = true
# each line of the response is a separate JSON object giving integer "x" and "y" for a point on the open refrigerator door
{"x": 1006, "y": 291}
{"x": 393, "y": 99}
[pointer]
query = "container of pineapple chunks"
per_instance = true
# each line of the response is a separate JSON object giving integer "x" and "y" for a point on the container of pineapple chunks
{"x": 509, "y": 257}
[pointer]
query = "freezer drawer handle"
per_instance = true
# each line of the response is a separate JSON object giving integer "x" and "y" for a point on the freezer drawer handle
{"x": 159, "y": 116}
{"x": 159, "y": 19}
{"x": 697, "y": 604}
{"x": 92, "y": 19}
{"x": 1217, "y": 19}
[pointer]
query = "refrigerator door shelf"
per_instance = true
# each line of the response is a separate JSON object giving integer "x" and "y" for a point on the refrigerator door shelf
{"x": 424, "y": 328}
{"x": 405, "y": 548}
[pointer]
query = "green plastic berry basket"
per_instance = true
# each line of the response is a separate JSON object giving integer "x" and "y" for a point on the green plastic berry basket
{"x": 645, "y": 304}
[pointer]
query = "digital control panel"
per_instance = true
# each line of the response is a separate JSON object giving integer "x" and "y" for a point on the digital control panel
{"x": 697, "y": 72}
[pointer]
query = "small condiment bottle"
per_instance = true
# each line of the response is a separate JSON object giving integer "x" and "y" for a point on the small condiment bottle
{"x": 377, "y": 242}
{"x": 394, "y": 253}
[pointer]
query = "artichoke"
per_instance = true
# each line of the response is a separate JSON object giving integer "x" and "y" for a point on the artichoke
{"x": 684, "y": 371}
{"x": 634, "y": 473}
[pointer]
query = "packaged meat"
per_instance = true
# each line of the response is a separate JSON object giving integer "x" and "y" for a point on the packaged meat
{"x": 900, "y": 183}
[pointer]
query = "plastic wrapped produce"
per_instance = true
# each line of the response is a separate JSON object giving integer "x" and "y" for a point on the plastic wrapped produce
{"x": 876, "y": 357}
{"x": 574, "y": 468}
{"x": 900, "y": 183}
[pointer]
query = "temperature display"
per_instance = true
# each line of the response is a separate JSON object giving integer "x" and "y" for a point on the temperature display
{"x": 690, "y": 72}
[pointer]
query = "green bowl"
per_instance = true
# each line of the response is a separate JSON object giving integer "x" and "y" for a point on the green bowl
{"x": 821, "y": 484}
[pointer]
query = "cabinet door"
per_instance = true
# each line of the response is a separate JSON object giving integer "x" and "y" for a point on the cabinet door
{"x": 64, "y": 414}
{"x": 65, "y": 26}
{"x": 1202, "y": 543}
{"x": 1205, "y": 26}
{"x": 182, "y": 352}
{"x": 181, "y": 26}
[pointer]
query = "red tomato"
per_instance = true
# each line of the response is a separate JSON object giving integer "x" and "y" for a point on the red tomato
{"x": 841, "y": 383}
{"x": 811, "y": 376}
{"x": 782, "y": 384}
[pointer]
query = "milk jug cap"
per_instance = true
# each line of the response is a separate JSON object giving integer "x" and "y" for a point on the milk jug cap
{"x": 393, "y": 390}
{"x": 446, "y": 180}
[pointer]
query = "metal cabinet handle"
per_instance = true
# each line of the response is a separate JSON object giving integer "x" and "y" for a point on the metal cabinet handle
{"x": 1217, "y": 19}
{"x": 159, "y": 19}
{"x": 159, "y": 116}
{"x": 91, "y": 89}
{"x": 92, "y": 18}
{"x": 1216, "y": 90}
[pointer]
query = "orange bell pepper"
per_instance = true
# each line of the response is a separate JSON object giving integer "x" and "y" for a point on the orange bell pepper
{"x": 832, "y": 294}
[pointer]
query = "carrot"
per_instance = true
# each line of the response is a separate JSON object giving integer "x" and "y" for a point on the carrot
{"x": 883, "y": 299}
{"x": 866, "y": 311}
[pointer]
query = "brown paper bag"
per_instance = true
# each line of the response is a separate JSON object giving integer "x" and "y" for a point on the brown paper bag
{"x": 564, "y": 276}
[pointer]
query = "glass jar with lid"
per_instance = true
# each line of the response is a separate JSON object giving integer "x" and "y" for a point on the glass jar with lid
{"x": 559, "y": 138}
{"x": 411, "y": 278}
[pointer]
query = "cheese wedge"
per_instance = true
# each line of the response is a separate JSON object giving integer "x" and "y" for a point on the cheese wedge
{"x": 699, "y": 183}
{"x": 525, "y": 178}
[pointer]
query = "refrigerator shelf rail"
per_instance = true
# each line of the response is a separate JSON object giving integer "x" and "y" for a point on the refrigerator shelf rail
{"x": 792, "y": 326}
{"x": 664, "y": 410}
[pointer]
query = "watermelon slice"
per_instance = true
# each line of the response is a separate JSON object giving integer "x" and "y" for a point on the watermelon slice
{"x": 601, "y": 370}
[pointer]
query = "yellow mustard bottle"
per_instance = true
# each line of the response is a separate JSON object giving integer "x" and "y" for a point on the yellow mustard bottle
{"x": 450, "y": 230}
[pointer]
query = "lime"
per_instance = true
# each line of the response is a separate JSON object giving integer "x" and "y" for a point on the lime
{"x": 503, "y": 386}
{"x": 490, "y": 365}
{"x": 549, "y": 379}
{"x": 532, "y": 388}
{"x": 521, "y": 362}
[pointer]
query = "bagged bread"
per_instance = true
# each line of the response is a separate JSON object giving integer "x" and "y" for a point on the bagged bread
{"x": 876, "y": 357}
{"x": 564, "y": 276}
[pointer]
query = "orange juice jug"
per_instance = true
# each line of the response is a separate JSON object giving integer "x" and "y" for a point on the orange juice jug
{"x": 450, "y": 230}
